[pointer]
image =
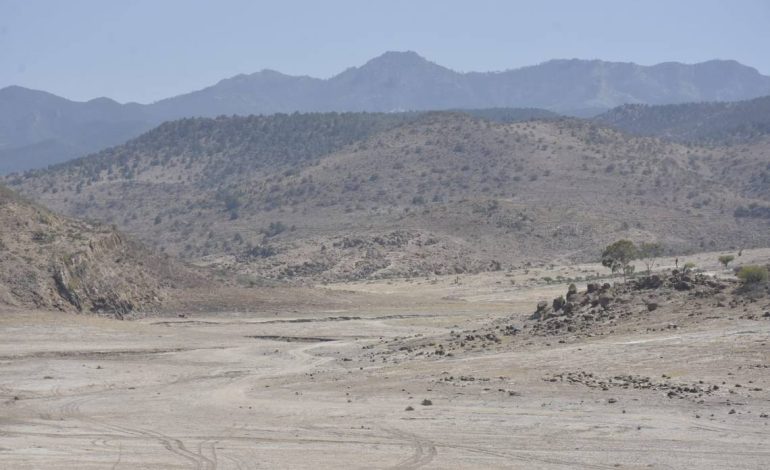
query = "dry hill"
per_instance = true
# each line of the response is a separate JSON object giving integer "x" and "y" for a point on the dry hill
{"x": 52, "y": 262}
{"x": 347, "y": 196}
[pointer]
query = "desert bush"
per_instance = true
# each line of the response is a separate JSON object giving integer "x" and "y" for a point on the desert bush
{"x": 275, "y": 228}
{"x": 752, "y": 275}
{"x": 726, "y": 259}
{"x": 648, "y": 252}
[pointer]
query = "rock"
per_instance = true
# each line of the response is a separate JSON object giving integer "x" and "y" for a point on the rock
{"x": 604, "y": 301}
{"x": 558, "y": 303}
{"x": 682, "y": 285}
{"x": 650, "y": 282}
{"x": 542, "y": 312}
{"x": 591, "y": 288}
{"x": 568, "y": 308}
{"x": 652, "y": 306}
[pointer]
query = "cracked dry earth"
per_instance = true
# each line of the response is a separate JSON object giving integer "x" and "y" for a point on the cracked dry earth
{"x": 321, "y": 389}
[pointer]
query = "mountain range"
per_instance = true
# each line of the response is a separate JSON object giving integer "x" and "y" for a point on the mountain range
{"x": 38, "y": 128}
{"x": 330, "y": 196}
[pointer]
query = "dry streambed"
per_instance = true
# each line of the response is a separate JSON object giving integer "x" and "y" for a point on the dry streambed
{"x": 351, "y": 390}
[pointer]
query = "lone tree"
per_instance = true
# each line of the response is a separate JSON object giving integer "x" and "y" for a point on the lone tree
{"x": 649, "y": 252}
{"x": 618, "y": 257}
{"x": 726, "y": 259}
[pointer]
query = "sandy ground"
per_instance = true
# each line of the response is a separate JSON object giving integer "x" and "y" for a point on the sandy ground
{"x": 299, "y": 389}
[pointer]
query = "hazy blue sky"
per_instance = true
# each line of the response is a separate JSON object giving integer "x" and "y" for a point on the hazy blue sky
{"x": 144, "y": 50}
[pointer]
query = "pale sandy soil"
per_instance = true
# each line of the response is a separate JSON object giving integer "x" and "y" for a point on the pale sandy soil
{"x": 230, "y": 392}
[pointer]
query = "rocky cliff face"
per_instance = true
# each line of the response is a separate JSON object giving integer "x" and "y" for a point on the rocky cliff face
{"x": 51, "y": 262}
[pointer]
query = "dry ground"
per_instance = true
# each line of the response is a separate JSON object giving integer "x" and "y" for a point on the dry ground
{"x": 299, "y": 388}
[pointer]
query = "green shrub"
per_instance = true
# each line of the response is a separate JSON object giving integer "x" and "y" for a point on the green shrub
{"x": 726, "y": 259}
{"x": 753, "y": 274}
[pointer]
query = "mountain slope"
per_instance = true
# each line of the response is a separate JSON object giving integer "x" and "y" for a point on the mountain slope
{"x": 439, "y": 193}
{"x": 716, "y": 122}
{"x": 37, "y": 128}
{"x": 51, "y": 262}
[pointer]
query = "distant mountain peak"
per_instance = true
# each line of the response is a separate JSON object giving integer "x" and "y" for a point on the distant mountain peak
{"x": 392, "y": 81}
{"x": 400, "y": 55}
{"x": 398, "y": 59}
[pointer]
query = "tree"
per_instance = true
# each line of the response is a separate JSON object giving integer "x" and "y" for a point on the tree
{"x": 648, "y": 252}
{"x": 726, "y": 259}
{"x": 618, "y": 257}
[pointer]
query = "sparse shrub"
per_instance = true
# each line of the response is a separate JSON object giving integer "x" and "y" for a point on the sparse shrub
{"x": 752, "y": 275}
{"x": 726, "y": 259}
{"x": 648, "y": 252}
{"x": 261, "y": 251}
{"x": 41, "y": 236}
{"x": 426, "y": 402}
{"x": 275, "y": 228}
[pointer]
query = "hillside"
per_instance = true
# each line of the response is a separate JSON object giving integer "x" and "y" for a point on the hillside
{"x": 38, "y": 129}
{"x": 711, "y": 123}
{"x": 304, "y": 196}
{"x": 51, "y": 262}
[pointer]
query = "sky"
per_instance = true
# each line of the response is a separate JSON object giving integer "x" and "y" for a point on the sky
{"x": 145, "y": 50}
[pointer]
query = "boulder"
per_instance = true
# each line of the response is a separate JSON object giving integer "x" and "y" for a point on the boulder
{"x": 650, "y": 282}
{"x": 605, "y": 300}
{"x": 682, "y": 285}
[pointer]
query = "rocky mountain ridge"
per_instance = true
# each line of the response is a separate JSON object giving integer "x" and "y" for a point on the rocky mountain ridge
{"x": 38, "y": 129}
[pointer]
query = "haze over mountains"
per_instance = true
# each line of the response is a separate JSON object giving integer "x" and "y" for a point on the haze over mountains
{"x": 38, "y": 128}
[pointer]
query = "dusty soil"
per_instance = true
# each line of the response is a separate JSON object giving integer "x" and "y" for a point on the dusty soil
{"x": 313, "y": 387}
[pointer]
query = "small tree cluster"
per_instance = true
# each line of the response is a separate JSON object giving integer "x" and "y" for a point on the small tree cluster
{"x": 619, "y": 255}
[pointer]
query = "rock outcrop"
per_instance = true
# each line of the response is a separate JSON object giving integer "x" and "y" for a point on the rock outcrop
{"x": 52, "y": 262}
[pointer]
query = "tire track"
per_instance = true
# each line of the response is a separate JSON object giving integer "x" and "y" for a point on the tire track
{"x": 424, "y": 451}
{"x": 171, "y": 444}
